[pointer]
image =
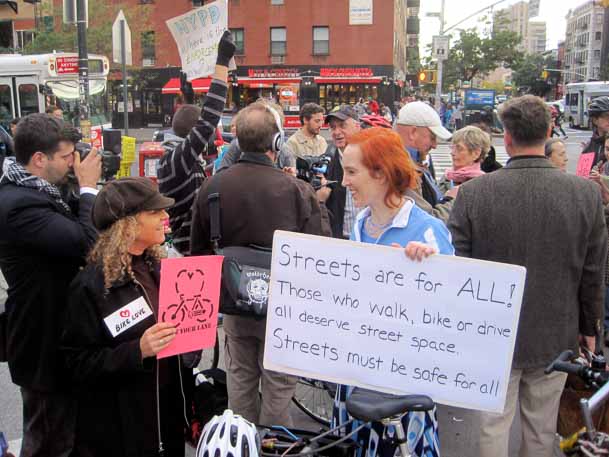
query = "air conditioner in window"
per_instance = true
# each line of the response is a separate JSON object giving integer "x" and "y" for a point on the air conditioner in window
{"x": 277, "y": 60}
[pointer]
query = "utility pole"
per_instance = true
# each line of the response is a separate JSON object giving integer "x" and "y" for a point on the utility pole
{"x": 124, "y": 71}
{"x": 83, "y": 70}
{"x": 440, "y": 63}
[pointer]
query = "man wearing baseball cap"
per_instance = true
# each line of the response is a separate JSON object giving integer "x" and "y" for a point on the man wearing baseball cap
{"x": 420, "y": 126}
{"x": 343, "y": 122}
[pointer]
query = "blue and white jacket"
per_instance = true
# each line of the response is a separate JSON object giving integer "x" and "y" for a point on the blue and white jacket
{"x": 410, "y": 224}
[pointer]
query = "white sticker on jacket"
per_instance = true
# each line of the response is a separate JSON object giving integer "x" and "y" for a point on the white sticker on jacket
{"x": 127, "y": 316}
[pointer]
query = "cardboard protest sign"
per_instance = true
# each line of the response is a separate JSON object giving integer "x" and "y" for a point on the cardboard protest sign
{"x": 197, "y": 34}
{"x": 189, "y": 297}
{"x": 365, "y": 315}
{"x": 585, "y": 164}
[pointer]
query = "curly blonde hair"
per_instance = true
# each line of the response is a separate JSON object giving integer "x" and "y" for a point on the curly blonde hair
{"x": 111, "y": 250}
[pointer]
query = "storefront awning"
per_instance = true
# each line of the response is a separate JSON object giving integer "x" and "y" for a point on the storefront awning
{"x": 264, "y": 83}
{"x": 200, "y": 85}
{"x": 338, "y": 80}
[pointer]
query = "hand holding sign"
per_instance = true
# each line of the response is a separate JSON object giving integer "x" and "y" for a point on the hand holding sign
{"x": 157, "y": 338}
{"x": 226, "y": 49}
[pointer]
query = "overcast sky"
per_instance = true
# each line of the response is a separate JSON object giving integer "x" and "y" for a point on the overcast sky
{"x": 553, "y": 12}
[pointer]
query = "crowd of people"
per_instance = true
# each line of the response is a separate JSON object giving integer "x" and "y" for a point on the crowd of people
{"x": 92, "y": 389}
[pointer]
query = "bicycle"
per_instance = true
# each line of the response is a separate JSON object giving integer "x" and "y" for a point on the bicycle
{"x": 587, "y": 442}
{"x": 363, "y": 405}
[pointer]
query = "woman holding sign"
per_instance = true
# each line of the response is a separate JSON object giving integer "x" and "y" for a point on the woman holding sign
{"x": 129, "y": 403}
{"x": 378, "y": 172}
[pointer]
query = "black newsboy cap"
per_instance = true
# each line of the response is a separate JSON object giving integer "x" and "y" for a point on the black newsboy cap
{"x": 126, "y": 197}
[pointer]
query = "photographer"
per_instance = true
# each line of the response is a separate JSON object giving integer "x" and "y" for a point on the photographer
{"x": 181, "y": 169}
{"x": 42, "y": 245}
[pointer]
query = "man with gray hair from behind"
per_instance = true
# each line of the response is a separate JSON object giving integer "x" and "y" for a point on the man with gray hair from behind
{"x": 532, "y": 214}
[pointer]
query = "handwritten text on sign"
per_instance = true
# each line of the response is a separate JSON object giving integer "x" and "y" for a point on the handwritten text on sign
{"x": 197, "y": 34}
{"x": 365, "y": 315}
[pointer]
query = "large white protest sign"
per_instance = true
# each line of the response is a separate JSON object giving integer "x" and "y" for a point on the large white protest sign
{"x": 197, "y": 34}
{"x": 365, "y": 315}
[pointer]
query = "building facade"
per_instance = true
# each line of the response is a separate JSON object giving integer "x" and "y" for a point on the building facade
{"x": 292, "y": 51}
{"x": 515, "y": 18}
{"x": 585, "y": 35}
{"x": 18, "y": 22}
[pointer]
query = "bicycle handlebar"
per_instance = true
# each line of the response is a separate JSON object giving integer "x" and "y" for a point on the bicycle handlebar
{"x": 589, "y": 375}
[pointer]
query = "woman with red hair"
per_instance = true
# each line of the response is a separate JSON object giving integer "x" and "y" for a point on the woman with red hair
{"x": 378, "y": 172}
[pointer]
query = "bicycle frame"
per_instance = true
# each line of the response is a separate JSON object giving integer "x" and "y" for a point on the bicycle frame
{"x": 400, "y": 434}
{"x": 590, "y": 405}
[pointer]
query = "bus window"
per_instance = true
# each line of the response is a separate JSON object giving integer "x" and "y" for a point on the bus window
{"x": 28, "y": 99}
{"x": 573, "y": 100}
{"x": 6, "y": 103}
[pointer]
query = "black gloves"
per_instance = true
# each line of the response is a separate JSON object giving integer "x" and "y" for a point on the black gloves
{"x": 226, "y": 49}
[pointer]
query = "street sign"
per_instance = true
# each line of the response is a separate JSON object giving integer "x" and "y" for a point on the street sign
{"x": 116, "y": 40}
{"x": 440, "y": 47}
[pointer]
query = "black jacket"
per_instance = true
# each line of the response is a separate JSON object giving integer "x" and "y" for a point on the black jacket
{"x": 41, "y": 249}
{"x": 255, "y": 200}
{"x": 596, "y": 145}
{"x": 116, "y": 390}
{"x": 336, "y": 200}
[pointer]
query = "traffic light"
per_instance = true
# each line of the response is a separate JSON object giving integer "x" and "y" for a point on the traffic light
{"x": 423, "y": 76}
{"x": 427, "y": 76}
{"x": 544, "y": 73}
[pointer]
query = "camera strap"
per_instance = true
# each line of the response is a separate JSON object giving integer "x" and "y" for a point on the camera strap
{"x": 213, "y": 205}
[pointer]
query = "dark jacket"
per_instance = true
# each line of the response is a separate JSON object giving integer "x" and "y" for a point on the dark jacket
{"x": 181, "y": 170}
{"x": 116, "y": 390}
{"x": 596, "y": 145}
{"x": 41, "y": 249}
{"x": 530, "y": 213}
{"x": 337, "y": 198}
{"x": 255, "y": 200}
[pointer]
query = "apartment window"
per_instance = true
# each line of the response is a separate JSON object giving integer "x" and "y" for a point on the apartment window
{"x": 321, "y": 41}
{"x": 598, "y": 36}
{"x": 278, "y": 41}
{"x": 148, "y": 49}
{"x": 239, "y": 38}
{"x": 597, "y": 53}
{"x": 197, "y": 3}
{"x": 24, "y": 37}
{"x": 145, "y": 2}
{"x": 276, "y": 2}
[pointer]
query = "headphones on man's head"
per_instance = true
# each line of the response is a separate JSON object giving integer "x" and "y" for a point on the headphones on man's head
{"x": 279, "y": 137}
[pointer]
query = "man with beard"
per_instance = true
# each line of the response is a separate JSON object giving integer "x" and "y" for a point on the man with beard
{"x": 307, "y": 141}
{"x": 42, "y": 245}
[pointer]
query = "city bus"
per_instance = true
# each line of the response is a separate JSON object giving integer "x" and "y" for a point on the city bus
{"x": 577, "y": 98}
{"x": 31, "y": 83}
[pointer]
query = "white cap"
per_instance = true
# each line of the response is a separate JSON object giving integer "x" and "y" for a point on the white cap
{"x": 419, "y": 114}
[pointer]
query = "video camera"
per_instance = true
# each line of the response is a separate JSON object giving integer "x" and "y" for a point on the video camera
{"x": 111, "y": 163}
{"x": 309, "y": 169}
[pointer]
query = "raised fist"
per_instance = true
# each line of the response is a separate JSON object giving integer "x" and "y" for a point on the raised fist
{"x": 226, "y": 49}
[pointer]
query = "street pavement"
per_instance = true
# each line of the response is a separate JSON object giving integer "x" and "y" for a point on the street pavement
{"x": 458, "y": 427}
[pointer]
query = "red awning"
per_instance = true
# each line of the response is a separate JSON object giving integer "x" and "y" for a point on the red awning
{"x": 265, "y": 83}
{"x": 198, "y": 85}
{"x": 338, "y": 80}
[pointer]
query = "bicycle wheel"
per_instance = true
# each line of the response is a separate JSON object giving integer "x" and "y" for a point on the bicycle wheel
{"x": 315, "y": 399}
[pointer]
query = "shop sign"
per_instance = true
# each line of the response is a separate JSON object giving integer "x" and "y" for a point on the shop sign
{"x": 273, "y": 73}
{"x": 360, "y": 12}
{"x": 363, "y": 72}
{"x": 67, "y": 65}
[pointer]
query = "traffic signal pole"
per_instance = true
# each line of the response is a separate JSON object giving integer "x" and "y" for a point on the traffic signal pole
{"x": 440, "y": 63}
{"x": 83, "y": 70}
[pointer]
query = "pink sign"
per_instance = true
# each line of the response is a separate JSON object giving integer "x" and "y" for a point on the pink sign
{"x": 189, "y": 297}
{"x": 584, "y": 165}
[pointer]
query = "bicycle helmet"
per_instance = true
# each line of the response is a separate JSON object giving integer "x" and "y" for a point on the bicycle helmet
{"x": 598, "y": 106}
{"x": 374, "y": 120}
{"x": 229, "y": 435}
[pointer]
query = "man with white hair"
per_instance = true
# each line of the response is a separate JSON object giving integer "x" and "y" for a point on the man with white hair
{"x": 419, "y": 126}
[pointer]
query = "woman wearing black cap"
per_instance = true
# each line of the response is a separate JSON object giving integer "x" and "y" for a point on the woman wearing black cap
{"x": 129, "y": 404}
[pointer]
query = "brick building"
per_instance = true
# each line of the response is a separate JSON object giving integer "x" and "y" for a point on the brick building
{"x": 18, "y": 21}
{"x": 294, "y": 51}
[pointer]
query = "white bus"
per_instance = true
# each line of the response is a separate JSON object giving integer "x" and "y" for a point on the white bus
{"x": 31, "y": 83}
{"x": 577, "y": 98}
